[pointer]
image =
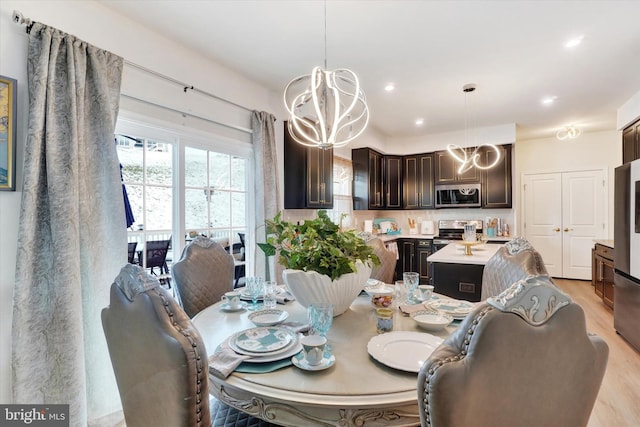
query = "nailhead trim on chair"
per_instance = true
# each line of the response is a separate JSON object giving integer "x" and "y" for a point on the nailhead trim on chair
{"x": 196, "y": 349}
{"x": 456, "y": 358}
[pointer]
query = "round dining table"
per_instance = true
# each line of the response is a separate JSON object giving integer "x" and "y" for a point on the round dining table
{"x": 356, "y": 391}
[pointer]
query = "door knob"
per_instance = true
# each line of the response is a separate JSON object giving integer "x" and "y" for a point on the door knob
{"x": 556, "y": 230}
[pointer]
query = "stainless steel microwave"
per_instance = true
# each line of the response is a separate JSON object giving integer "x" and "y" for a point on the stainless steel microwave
{"x": 458, "y": 196}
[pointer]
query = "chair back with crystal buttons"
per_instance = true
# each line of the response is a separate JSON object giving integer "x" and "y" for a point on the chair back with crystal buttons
{"x": 522, "y": 358}
{"x": 158, "y": 357}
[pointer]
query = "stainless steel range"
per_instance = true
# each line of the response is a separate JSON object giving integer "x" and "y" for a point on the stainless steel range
{"x": 450, "y": 230}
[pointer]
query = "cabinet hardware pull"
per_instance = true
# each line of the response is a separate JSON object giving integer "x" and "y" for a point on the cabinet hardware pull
{"x": 556, "y": 230}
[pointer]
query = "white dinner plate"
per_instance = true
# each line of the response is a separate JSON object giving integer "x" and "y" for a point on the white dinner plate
{"x": 403, "y": 350}
{"x": 290, "y": 351}
{"x": 268, "y": 317}
{"x": 262, "y": 340}
{"x": 458, "y": 309}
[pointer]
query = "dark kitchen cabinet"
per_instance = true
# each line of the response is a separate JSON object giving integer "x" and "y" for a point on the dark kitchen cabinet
{"x": 602, "y": 273}
{"x": 459, "y": 281}
{"x": 308, "y": 175}
{"x": 393, "y": 182}
{"x": 424, "y": 248}
{"x": 496, "y": 182}
{"x": 417, "y": 182}
{"x": 631, "y": 143}
{"x": 446, "y": 170}
{"x": 406, "y": 254}
{"x": 377, "y": 180}
{"x": 368, "y": 191}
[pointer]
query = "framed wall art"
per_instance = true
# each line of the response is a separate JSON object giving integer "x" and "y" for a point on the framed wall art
{"x": 8, "y": 111}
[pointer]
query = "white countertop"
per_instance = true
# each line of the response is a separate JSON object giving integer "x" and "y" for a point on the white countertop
{"x": 390, "y": 237}
{"x": 454, "y": 253}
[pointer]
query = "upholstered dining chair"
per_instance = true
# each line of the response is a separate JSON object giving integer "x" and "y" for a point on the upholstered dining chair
{"x": 514, "y": 261}
{"x": 385, "y": 271}
{"x": 522, "y": 358}
{"x": 159, "y": 359}
{"x": 203, "y": 274}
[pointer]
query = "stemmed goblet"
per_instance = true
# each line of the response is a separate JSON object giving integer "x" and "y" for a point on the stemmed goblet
{"x": 320, "y": 318}
{"x": 254, "y": 290}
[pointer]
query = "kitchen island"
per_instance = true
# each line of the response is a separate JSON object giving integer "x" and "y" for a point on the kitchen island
{"x": 458, "y": 275}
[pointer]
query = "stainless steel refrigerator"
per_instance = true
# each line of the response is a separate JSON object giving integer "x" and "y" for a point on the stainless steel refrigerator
{"x": 626, "y": 313}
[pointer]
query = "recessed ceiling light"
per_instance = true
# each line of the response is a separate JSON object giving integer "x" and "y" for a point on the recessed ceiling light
{"x": 420, "y": 121}
{"x": 390, "y": 87}
{"x": 549, "y": 100}
{"x": 574, "y": 41}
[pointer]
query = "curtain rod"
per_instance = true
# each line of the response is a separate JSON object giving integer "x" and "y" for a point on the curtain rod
{"x": 18, "y": 18}
{"x": 183, "y": 113}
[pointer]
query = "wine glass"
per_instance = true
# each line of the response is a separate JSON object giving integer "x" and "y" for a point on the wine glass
{"x": 320, "y": 318}
{"x": 254, "y": 290}
{"x": 411, "y": 282}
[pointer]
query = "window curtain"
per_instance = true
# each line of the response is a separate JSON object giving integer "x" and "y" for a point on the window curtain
{"x": 266, "y": 187}
{"x": 72, "y": 231}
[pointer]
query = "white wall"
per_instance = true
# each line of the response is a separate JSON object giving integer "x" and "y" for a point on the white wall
{"x": 101, "y": 27}
{"x": 598, "y": 150}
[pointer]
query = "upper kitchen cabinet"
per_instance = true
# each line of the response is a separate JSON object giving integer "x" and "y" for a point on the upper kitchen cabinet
{"x": 631, "y": 143}
{"x": 308, "y": 175}
{"x": 496, "y": 182}
{"x": 446, "y": 170}
{"x": 393, "y": 182}
{"x": 377, "y": 180}
{"x": 368, "y": 181}
{"x": 418, "y": 182}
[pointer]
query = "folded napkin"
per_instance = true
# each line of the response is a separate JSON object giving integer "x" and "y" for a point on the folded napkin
{"x": 224, "y": 361}
{"x": 410, "y": 308}
{"x": 284, "y": 296}
{"x": 296, "y": 327}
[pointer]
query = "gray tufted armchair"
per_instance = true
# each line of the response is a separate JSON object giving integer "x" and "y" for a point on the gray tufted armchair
{"x": 159, "y": 359}
{"x": 385, "y": 271}
{"x": 523, "y": 358}
{"x": 514, "y": 261}
{"x": 203, "y": 274}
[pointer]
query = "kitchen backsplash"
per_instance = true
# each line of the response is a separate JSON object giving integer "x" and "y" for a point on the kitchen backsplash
{"x": 357, "y": 218}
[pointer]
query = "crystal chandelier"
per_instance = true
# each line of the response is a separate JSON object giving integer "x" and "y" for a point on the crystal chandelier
{"x": 470, "y": 158}
{"x": 326, "y": 108}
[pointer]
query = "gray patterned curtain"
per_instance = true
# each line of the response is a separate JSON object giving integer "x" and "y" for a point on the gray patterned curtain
{"x": 72, "y": 236}
{"x": 266, "y": 186}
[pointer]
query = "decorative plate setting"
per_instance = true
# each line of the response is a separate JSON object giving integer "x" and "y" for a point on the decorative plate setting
{"x": 268, "y": 317}
{"x": 403, "y": 350}
{"x": 458, "y": 309}
{"x": 327, "y": 361}
{"x": 263, "y": 339}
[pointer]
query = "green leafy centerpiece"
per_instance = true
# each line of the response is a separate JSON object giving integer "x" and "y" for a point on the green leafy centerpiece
{"x": 322, "y": 262}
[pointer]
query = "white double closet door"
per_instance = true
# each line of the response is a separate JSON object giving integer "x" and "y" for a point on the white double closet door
{"x": 564, "y": 212}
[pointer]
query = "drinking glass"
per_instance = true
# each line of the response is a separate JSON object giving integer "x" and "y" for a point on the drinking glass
{"x": 320, "y": 318}
{"x": 270, "y": 295}
{"x": 254, "y": 290}
{"x": 411, "y": 282}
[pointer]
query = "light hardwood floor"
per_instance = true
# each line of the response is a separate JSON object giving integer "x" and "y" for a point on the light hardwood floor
{"x": 618, "y": 403}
